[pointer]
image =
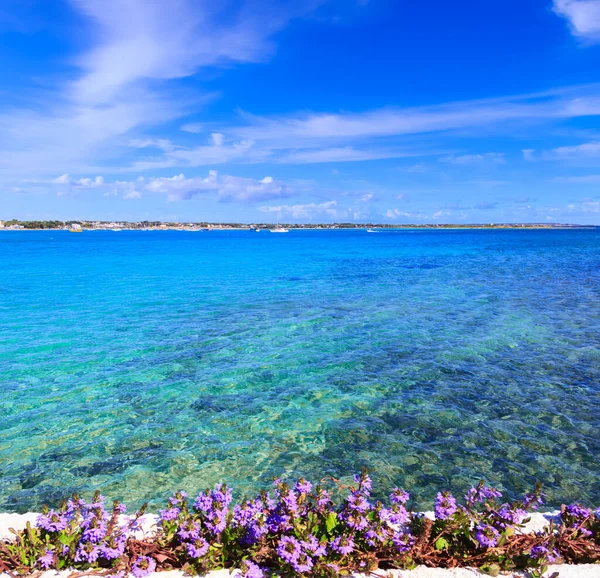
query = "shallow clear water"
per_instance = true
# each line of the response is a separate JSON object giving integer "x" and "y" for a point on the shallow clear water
{"x": 141, "y": 362}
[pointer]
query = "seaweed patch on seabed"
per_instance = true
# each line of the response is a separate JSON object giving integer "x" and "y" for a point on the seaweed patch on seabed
{"x": 301, "y": 529}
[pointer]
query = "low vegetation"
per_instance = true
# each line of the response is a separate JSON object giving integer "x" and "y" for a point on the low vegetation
{"x": 299, "y": 530}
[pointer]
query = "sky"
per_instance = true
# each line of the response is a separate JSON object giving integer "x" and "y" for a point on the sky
{"x": 381, "y": 111}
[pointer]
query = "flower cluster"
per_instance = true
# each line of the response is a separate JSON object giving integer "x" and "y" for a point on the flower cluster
{"x": 78, "y": 535}
{"x": 299, "y": 530}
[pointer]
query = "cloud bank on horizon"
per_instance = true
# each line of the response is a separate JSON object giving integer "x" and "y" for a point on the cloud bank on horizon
{"x": 326, "y": 110}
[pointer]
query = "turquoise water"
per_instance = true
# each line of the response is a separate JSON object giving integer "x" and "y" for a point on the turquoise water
{"x": 141, "y": 362}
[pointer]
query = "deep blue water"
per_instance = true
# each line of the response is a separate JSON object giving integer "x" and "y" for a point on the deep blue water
{"x": 141, "y": 362}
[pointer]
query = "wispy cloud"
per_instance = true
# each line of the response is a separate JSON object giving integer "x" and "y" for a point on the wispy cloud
{"x": 590, "y": 150}
{"x": 308, "y": 211}
{"x": 557, "y": 104}
{"x": 124, "y": 78}
{"x": 583, "y": 17}
{"x": 474, "y": 159}
{"x": 377, "y": 134}
{"x": 585, "y": 207}
{"x": 579, "y": 179}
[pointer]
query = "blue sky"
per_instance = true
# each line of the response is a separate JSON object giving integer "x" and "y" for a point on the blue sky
{"x": 314, "y": 110}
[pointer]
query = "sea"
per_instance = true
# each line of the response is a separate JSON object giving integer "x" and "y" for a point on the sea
{"x": 141, "y": 362}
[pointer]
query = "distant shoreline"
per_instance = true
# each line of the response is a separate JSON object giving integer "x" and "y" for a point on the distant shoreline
{"x": 296, "y": 227}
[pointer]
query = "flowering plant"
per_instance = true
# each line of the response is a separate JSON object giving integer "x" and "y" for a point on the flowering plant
{"x": 300, "y": 530}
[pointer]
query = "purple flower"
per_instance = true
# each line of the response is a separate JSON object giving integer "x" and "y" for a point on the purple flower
{"x": 113, "y": 549}
{"x": 343, "y": 544}
{"x": 578, "y": 512}
{"x": 251, "y": 570}
{"x": 87, "y": 552}
{"x": 74, "y": 505}
{"x": 532, "y": 501}
{"x": 203, "y": 501}
{"x": 372, "y": 537}
{"x": 177, "y": 499}
{"x": 507, "y": 516}
{"x": 445, "y": 505}
{"x": 399, "y": 496}
{"x": 189, "y": 530}
{"x": 169, "y": 515}
{"x": 303, "y": 487}
{"x": 539, "y": 552}
{"x": 222, "y": 495}
{"x": 303, "y": 563}
{"x": 47, "y": 559}
{"x": 486, "y": 535}
{"x": 356, "y": 521}
{"x": 197, "y": 549}
{"x": 143, "y": 566}
{"x": 403, "y": 542}
{"x": 480, "y": 494}
{"x": 95, "y": 532}
{"x": 397, "y": 516}
{"x": 364, "y": 483}
{"x": 289, "y": 500}
{"x": 313, "y": 546}
{"x": 121, "y": 508}
{"x": 216, "y": 518}
{"x": 358, "y": 502}
{"x": 52, "y": 521}
{"x": 289, "y": 549}
{"x": 323, "y": 498}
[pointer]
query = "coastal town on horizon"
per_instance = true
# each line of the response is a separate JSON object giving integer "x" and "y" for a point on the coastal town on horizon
{"x": 87, "y": 225}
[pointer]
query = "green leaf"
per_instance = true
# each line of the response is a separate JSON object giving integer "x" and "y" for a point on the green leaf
{"x": 491, "y": 569}
{"x": 441, "y": 544}
{"x": 331, "y": 522}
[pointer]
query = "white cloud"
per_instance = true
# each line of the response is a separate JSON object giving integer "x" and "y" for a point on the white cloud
{"x": 179, "y": 187}
{"x": 225, "y": 188}
{"x": 496, "y": 158}
{"x": 250, "y": 190}
{"x": 583, "y": 17}
{"x": 122, "y": 80}
{"x": 328, "y": 127}
{"x": 195, "y": 127}
{"x": 582, "y": 179}
{"x": 416, "y": 168}
{"x": 308, "y": 211}
{"x": 363, "y": 136}
{"x": 160, "y": 143}
{"x": 217, "y": 139}
{"x": 397, "y": 213}
{"x": 367, "y": 197}
{"x": 528, "y": 154}
{"x": 585, "y": 207}
{"x": 339, "y": 154}
{"x": 577, "y": 152}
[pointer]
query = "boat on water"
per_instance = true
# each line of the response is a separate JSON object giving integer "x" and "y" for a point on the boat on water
{"x": 279, "y": 228}
{"x": 372, "y": 231}
{"x": 257, "y": 230}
